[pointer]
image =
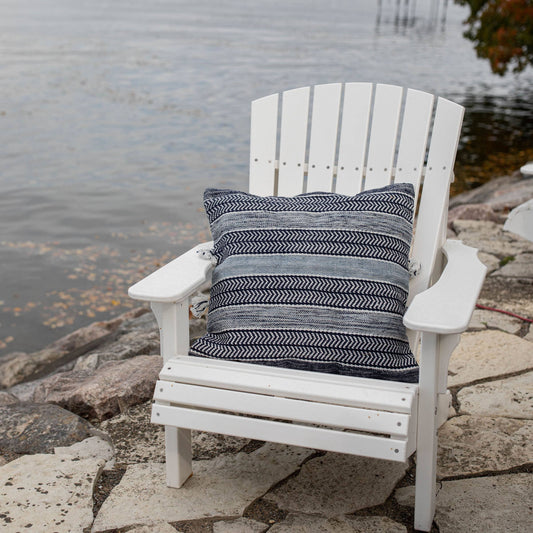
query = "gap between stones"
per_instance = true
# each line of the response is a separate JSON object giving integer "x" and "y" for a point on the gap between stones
{"x": 454, "y": 390}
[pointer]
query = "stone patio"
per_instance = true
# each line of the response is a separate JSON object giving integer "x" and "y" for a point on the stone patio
{"x": 108, "y": 475}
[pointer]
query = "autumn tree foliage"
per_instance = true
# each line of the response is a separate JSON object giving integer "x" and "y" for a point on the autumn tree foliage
{"x": 502, "y": 31}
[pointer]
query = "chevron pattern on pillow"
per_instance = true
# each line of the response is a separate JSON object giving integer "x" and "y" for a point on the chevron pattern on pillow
{"x": 316, "y": 282}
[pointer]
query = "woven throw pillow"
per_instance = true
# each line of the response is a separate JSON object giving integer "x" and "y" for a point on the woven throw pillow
{"x": 318, "y": 281}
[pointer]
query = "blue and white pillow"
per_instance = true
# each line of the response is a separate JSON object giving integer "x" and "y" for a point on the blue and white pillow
{"x": 318, "y": 281}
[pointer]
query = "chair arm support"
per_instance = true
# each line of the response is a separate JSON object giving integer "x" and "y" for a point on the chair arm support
{"x": 176, "y": 280}
{"x": 447, "y": 306}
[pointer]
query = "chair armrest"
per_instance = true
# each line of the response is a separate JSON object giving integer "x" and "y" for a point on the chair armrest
{"x": 176, "y": 280}
{"x": 447, "y": 306}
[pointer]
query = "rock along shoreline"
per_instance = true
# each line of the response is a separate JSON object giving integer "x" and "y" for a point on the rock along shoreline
{"x": 78, "y": 453}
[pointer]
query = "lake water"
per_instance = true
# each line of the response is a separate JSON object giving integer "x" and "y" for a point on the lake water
{"x": 115, "y": 115}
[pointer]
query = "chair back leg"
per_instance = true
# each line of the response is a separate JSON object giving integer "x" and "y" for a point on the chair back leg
{"x": 426, "y": 454}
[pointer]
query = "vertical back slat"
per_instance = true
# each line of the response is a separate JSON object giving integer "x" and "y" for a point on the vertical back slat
{"x": 263, "y": 135}
{"x": 439, "y": 172}
{"x": 323, "y": 142}
{"x": 354, "y": 133}
{"x": 293, "y": 140}
{"x": 386, "y": 114}
{"x": 413, "y": 138}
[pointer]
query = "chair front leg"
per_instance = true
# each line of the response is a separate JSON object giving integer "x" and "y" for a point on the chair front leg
{"x": 178, "y": 456}
{"x": 426, "y": 454}
{"x": 173, "y": 321}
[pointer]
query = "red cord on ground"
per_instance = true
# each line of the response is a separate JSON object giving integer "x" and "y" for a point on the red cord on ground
{"x": 479, "y": 306}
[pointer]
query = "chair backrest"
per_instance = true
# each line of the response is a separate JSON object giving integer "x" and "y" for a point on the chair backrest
{"x": 358, "y": 136}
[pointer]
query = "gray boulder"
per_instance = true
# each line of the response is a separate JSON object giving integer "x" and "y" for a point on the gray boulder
{"x": 29, "y": 428}
{"x": 20, "y": 366}
{"x": 501, "y": 194}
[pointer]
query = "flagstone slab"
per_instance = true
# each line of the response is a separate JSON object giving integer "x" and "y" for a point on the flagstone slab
{"x": 469, "y": 445}
{"x": 223, "y": 486}
{"x": 336, "y": 484}
{"x": 47, "y": 492}
{"x": 92, "y": 448}
{"x": 159, "y": 527}
{"x": 488, "y": 354}
{"x": 510, "y": 294}
{"x": 491, "y": 261}
{"x": 520, "y": 267}
{"x": 482, "y": 318}
{"x": 511, "y": 397}
{"x": 490, "y": 238}
{"x": 241, "y": 525}
{"x": 301, "y": 523}
{"x": 482, "y": 504}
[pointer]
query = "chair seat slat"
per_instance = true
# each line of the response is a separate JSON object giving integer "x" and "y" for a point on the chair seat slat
{"x": 273, "y": 431}
{"x": 313, "y": 386}
{"x": 368, "y": 420}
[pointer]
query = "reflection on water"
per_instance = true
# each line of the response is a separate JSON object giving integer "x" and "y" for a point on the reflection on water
{"x": 404, "y": 15}
{"x": 115, "y": 115}
{"x": 497, "y": 137}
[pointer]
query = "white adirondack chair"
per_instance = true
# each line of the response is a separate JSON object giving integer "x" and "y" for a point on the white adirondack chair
{"x": 382, "y": 137}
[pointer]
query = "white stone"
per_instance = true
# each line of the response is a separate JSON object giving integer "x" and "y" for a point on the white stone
{"x": 241, "y": 525}
{"x": 482, "y": 318}
{"x": 50, "y": 492}
{"x": 511, "y": 397}
{"x": 481, "y": 505}
{"x": 300, "y": 523}
{"x": 527, "y": 169}
{"x": 488, "y": 354}
{"x": 336, "y": 484}
{"x": 469, "y": 445}
{"x": 91, "y": 448}
{"x": 223, "y": 486}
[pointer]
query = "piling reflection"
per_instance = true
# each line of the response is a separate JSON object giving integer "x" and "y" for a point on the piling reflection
{"x": 403, "y": 15}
